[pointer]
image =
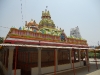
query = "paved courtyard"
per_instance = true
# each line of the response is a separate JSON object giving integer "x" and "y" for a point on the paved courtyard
{"x": 81, "y": 71}
{"x": 84, "y": 70}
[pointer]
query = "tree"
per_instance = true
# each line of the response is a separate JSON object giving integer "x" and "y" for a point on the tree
{"x": 1, "y": 39}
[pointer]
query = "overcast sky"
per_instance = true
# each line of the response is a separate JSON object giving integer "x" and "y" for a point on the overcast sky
{"x": 66, "y": 14}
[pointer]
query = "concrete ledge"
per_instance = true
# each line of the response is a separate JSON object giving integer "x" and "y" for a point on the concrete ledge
{"x": 65, "y": 70}
{"x": 47, "y": 69}
{"x": 61, "y": 68}
{"x": 34, "y": 71}
{"x": 18, "y": 72}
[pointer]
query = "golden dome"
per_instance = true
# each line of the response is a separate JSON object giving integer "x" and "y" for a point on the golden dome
{"x": 32, "y": 23}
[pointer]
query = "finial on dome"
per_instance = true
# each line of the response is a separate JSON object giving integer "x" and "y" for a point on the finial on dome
{"x": 31, "y": 19}
{"x": 48, "y": 13}
{"x": 46, "y": 8}
{"x": 25, "y": 23}
{"x": 42, "y": 13}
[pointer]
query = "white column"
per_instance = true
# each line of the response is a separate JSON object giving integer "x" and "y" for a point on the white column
{"x": 39, "y": 61}
{"x": 10, "y": 60}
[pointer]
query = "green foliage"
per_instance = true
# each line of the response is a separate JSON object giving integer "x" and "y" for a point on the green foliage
{"x": 98, "y": 55}
{"x": 28, "y": 36}
{"x": 91, "y": 54}
{"x": 49, "y": 39}
{"x": 1, "y": 39}
{"x": 14, "y": 34}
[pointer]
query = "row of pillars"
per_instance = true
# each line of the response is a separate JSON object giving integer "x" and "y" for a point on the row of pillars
{"x": 10, "y": 60}
{"x": 72, "y": 56}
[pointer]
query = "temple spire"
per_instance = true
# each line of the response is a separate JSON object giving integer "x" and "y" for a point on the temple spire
{"x": 46, "y": 9}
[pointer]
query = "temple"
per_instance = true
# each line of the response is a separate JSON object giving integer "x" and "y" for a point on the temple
{"x": 43, "y": 48}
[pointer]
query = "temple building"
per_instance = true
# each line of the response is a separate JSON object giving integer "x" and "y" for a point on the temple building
{"x": 40, "y": 49}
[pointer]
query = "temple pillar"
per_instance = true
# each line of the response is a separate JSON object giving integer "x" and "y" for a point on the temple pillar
{"x": 87, "y": 57}
{"x": 87, "y": 60}
{"x": 39, "y": 61}
{"x": 79, "y": 56}
{"x": 10, "y": 60}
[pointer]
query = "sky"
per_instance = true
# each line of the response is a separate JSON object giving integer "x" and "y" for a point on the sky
{"x": 66, "y": 14}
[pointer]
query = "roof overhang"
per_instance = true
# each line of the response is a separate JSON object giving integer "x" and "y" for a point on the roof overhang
{"x": 22, "y": 41}
{"x": 39, "y": 46}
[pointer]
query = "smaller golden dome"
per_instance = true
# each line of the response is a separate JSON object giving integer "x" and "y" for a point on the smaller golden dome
{"x": 32, "y": 23}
